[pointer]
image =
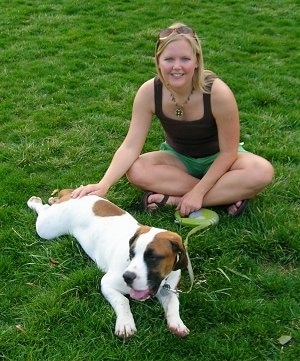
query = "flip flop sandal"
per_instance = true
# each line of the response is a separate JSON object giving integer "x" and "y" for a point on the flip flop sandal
{"x": 241, "y": 208}
{"x": 144, "y": 201}
{"x": 201, "y": 218}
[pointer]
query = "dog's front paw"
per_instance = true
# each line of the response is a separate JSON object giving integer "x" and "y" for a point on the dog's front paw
{"x": 31, "y": 203}
{"x": 178, "y": 328}
{"x": 125, "y": 327}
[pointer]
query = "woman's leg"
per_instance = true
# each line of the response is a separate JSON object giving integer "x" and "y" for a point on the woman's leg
{"x": 163, "y": 173}
{"x": 248, "y": 176}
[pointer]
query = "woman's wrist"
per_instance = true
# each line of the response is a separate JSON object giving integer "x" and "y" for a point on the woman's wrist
{"x": 103, "y": 186}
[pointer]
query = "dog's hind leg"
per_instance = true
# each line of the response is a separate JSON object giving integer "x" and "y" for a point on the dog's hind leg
{"x": 36, "y": 204}
{"x": 48, "y": 223}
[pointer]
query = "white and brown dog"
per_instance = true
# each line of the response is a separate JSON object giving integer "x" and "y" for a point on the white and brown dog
{"x": 137, "y": 260}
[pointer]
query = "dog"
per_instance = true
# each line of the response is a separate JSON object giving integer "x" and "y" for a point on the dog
{"x": 138, "y": 260}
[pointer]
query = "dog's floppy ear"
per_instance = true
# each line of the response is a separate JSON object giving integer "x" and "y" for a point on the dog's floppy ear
{"x": 181, "y": 257}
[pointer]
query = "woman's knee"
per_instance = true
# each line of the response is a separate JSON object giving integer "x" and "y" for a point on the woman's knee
{"x": 262, "y": 172}
{"x": 258, "y": 172}
{"x": 136, "y": 173}
{"x": 269, "y": 172}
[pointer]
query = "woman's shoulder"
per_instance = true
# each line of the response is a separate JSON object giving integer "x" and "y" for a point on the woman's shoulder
{"x": 146, "y": 89}
{"x": 144, "y": 97}
{"x": 148, "y": 85}
{"x": 220, "y": 89}
{"x": 222, "y": 98}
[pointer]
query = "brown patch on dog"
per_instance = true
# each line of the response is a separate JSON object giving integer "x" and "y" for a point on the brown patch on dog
{"x": 170, "y": 247}
{"x": 142, "y": 229}
{"x": 104, "y": 208}
{"x": 62, "y": 196}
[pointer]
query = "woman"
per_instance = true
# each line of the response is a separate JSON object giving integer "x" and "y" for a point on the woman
{"x": 201, "y": 163}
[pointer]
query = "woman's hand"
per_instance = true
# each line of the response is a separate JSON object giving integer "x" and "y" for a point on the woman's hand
{"x": 91, "y": 189}
{"x": 190, "y": 202}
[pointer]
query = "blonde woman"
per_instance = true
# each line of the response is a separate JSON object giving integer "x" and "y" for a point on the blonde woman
{"x": 201, "y": 163}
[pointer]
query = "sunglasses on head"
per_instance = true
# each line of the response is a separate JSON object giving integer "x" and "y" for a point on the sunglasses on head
{"x": 181, "y": 30}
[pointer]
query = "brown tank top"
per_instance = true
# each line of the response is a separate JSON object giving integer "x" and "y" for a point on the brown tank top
{"x": 197, "y": 138}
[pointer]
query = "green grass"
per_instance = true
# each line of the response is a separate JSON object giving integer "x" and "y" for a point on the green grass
{"x": 69, "y": 72}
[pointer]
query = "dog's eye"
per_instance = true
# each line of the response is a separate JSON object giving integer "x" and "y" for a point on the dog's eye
{"x": 131, "y": 254}
{"x": 152, "y": 258}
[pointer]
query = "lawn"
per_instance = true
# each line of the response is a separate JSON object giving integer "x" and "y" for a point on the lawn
{"x": 69, "y": 72}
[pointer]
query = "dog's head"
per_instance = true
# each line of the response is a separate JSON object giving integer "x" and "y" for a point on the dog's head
{"x": 154, "y": 254}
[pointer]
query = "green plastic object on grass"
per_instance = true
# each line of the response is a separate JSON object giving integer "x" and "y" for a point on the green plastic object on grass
{"x": 202, "y": 218}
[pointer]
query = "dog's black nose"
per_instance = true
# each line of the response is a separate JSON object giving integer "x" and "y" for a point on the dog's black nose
{"x": 129, "y": 277}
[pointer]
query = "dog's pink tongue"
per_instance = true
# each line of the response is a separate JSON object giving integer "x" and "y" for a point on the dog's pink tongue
{"x": 139, "y": 295}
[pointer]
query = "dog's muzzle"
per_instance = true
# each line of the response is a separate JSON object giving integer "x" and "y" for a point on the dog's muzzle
{"x": 140, "y": 295}
{"x": 129, "y": 277}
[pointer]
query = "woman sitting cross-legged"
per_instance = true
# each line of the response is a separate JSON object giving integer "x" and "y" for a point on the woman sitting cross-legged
{"x": 201, "y": 163}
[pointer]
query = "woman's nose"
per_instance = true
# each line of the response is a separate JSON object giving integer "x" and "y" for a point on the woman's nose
{"x": 177, "y": 64}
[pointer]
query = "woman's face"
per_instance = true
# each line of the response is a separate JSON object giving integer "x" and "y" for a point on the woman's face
{"x": 177, "y": 64}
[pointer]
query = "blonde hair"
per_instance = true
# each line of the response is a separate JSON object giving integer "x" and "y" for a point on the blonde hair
{"x": 202, "y": 79}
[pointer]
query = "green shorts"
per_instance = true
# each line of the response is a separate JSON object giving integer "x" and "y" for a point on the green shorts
{"x": 196, "y": 167}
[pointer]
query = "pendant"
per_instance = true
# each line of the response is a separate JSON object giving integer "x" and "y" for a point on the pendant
{"x": 179, "y": 112}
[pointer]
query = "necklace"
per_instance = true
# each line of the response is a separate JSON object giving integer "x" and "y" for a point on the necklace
{"x": 179, "y": 108}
